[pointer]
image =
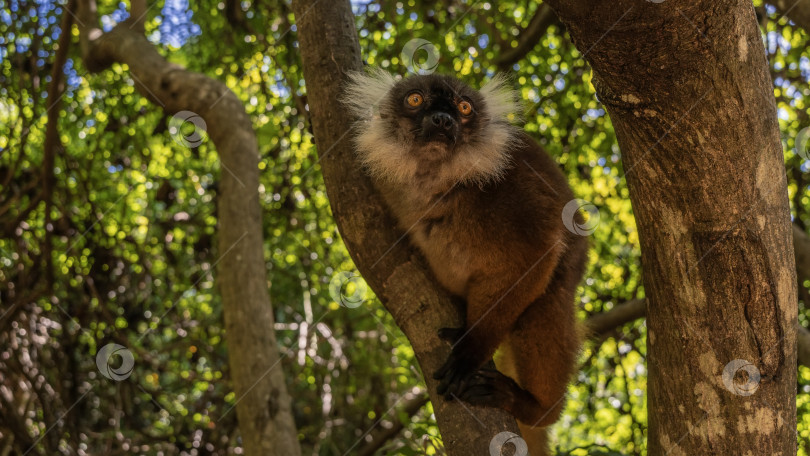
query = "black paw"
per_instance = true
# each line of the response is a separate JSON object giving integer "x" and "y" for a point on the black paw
{"x": 489, "y": 388}
{"x": 453, "y": 373}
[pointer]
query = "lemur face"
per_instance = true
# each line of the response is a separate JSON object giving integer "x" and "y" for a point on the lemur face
{"x": 432, "y": 125}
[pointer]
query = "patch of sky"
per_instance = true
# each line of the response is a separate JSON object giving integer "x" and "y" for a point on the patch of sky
{"x": 177, "y": 26}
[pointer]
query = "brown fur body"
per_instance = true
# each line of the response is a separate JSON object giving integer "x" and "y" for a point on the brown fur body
{"x": 494, "y": 237}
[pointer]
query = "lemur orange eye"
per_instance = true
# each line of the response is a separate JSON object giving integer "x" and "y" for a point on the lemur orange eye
{"x": 465, "y": 108}
{"x": 415, "y": 99}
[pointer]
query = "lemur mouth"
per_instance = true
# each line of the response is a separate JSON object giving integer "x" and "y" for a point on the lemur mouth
{"x": 439, "y": 137}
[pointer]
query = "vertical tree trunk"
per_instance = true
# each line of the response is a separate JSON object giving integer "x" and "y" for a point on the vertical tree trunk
{"x": 687, "y": 88}
{"x": 263, "y": 405}
{"x": 329, "y": 51}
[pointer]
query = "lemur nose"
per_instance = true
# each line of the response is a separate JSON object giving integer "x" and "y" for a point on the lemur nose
{"x": 442, "y": 120}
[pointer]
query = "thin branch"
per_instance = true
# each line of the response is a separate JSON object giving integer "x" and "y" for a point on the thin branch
{"x": 253, "y": 351}
{"x": 137, "y": 16}
{"x": 797, "y": 11}
{"x": 52, "y": 141}
{"x": 382, "y": 435}
{"x": 529, "y": 37}
{"x": 601, "y": 324}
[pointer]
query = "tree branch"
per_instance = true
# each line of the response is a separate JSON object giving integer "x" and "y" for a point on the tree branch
{"x": 329, "y": 52}
{"x": 383, "y": 435}
{"x": 262, "y": 404}
{"x": 529, "y": 37}
{"x": 137, "y": 17}
{"x": 52, "y": 141}
{"x": 602, "y": 323}
{"x": 796, "y": 11}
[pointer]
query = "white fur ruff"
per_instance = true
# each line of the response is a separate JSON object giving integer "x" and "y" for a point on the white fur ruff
{"x": 387, "y": 155}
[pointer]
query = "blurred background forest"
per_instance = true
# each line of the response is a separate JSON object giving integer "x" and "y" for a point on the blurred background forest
{"x": 121, "y": 249}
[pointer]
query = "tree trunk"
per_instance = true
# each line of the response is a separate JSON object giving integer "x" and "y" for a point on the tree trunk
{"x": 687, "y": 88}
{"x": 263, "y": 405}
{"x": 399, "y": 276}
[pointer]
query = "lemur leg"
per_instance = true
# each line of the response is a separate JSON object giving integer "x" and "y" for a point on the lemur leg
{"x": 494, "y": 304}
{"x": 535, "y": 364}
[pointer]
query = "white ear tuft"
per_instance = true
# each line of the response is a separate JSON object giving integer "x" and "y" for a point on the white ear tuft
{"x": 500, "y": 99}
{"x": 365, "y": 91}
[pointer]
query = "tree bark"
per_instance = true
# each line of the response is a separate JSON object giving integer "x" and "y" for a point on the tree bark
{"x": 398, "y": 275}
{"x": 263, "y": 405}
{"x": 687, "y": 88}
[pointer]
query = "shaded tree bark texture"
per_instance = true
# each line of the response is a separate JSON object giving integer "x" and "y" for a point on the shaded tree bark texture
{"x": 687, "y": 88}
{"x": 263, "y": 405}
{"x": 398, "y": 275}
